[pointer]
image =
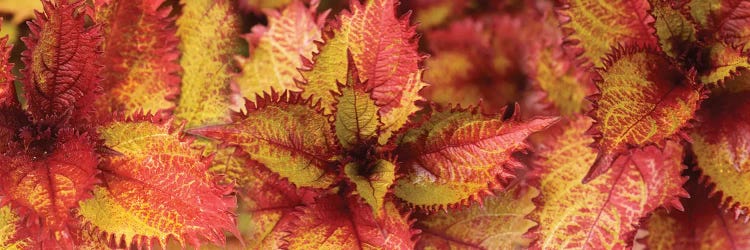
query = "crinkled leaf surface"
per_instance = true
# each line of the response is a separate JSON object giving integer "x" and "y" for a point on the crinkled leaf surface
{"x": 44, "y": 187}
{"x": 62, "y": 74}
{"x": 208, "y": 31}
{"x": 276, "y": 51}
{"x": 335, "y": 223}
{"x": 596, "y": 26}
{"x": 287, "y": 135}
{"x": 605, "y": 212}
{"x": 721, "y": 143}
{"x": 384, "y": 49}
{"x": 499, "y": 223}
{"x": 157, "y": 188}
{"x": 140, "y": 56}
{"x": 701, "y": 226}
{"x": 458, "y": 154}
{"x": 643, "y": 100}
{"x": 372, "y": 186}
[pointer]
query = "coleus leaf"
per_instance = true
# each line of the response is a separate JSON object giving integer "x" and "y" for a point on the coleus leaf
{"x": 277, "y": 50}
{"x": 336, "y": 223}
{"x": 593, "y": 27}
{"x": 500, "y": 223}
{"x": 140, "y": 57}
{"x": 605, "y": 212}
{"x": 433, "y": 13}
{"x": 62, "y": 73}
{"x": 13, "y": 234}
{"x": 260, "y": 5}
{"x": 384, "y": 50}
{"x": 271, "y": 203}
{"x": 458, "y": 154}
{"x": 727, "y": 19}
{"x": 157, "y": 187}
{"x": 207, "y": 30}
{"x": 45, "y": 186}
{"x": 721, "y": 143}
{"x": 701, "y": 226}
{"x": 675, "y": 28}
{"x": 286, "y": 134}
{"x": 644, "y": 99}
{"x": 357, "y": 118}
{"x": 372, "y": 186}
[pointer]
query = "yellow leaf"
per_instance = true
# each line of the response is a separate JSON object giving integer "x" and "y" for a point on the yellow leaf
{"x": 674, "y": 29}
{"x": 357, "y": 119}
{"x": 12, "y": 231}
{"x": 724, "y": 62}
{"x": 208, "y": 31}
{"x": 21, "y": 9}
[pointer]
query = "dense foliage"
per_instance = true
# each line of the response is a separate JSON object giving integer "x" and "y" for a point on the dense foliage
{"x": 375, "y": 124}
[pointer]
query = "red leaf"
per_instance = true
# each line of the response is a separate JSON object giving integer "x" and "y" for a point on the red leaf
{"x": 45, "y": 186}
{"x": 334, "y": 223}
{"x": 61, "y": 75}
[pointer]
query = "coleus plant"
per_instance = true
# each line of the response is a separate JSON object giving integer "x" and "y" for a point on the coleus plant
{"x": 329, "y": 142}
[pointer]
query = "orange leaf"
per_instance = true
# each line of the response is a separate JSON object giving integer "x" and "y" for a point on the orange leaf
{"x": 458, "y": 154}
{"x": 13, "y": 234}
{"x": 156, "y": 188}
{"x": 334, "y": 223}
{"x": 644, "y": 99}
{"x": 140, "y": 57}
{"x": 605, "y": 212}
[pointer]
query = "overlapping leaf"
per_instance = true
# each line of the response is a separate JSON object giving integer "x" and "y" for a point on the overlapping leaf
{"x": 357, "y": 118}
{"x": 335, "y": 223}
{"x": 458, "y": 154}
{"x": 286, "y": 134}
{"x": 499, "y": 223}
{"x": 62, "y": 72}
{"x": 643, "y": 100}
{"x": 702, "y": 226}
{"x": 723, "y": 61}
{"x": 596, "y": 26}
{"x": 45, "y": 183}
{"x": 13, "y": 234}
{"x": 157, "y": 188}
{"x": 721, "y": 143}
{"x": 140, "y": 57}
{"x": 605, "y": 212}
{"x": 276, "y": 51}
{"x": 384, "y": 50}
{"x": 208, "y": 30}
